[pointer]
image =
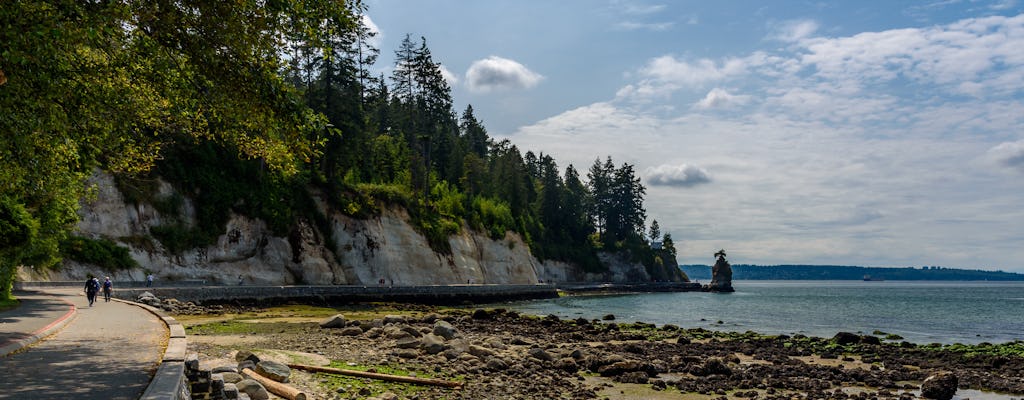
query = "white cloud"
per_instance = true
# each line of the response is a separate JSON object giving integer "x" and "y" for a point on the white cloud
{"x": 1009, "y": 154}
{"x": 794, "y": 31}
{"x": 682, "y": 175}
{"x": 641, "y": 9}
{"x": 452, "y": 78}
{"x": 665, "y": 75}
{"x": 649, "y": 26}
{"x": 377, "y": 39}
{"x": 844, "y": 146}
{"x": 720, "y": 98}
{"x": 495, "y": 73}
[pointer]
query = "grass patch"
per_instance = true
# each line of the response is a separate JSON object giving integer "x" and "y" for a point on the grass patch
{"x": 244, "y": 327}
{"x": 297, "y": 314}
{"x": 365, "y": 387}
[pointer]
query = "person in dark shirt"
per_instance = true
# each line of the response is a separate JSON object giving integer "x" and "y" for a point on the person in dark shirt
{"x": 92, "y": 286}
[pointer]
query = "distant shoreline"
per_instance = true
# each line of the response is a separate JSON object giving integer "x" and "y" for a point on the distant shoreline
{"x": 850, "y": 273}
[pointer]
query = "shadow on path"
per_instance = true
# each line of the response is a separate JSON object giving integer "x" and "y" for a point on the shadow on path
{"x": 109, "y": 351}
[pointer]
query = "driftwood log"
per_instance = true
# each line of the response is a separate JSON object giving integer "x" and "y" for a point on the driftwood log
{"x": 275, "y": 387}
{"x": 374, "y": 375}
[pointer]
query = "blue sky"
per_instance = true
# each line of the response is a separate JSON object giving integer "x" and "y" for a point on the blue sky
{"x": 878, "y": 133}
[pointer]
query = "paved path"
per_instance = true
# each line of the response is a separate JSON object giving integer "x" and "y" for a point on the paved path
{"x": 108, "y": 351}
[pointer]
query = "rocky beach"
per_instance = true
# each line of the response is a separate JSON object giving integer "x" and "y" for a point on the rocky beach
{"x": 501, "y": 354}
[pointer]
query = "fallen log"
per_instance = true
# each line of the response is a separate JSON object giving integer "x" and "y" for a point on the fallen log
{"x": 375, "y": 375}
{"x": 275, "y": 387}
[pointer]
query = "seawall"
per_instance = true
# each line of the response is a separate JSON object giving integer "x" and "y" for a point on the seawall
{"x": 333, "y": 294}
{"x": 640, "y": 287}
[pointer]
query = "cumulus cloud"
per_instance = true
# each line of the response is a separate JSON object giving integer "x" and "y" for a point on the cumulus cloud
{"x": 794, "y": 31}
{"x": 495, "y": 73}
{"x": 682, "y": 175}
{"x": 1009, "y": 154}
{"x": 973, "y": 55}
{"x": 720, "y": 98}
{"x": 449, "y": 76}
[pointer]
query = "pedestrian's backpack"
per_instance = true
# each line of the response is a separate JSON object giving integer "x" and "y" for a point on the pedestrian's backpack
{"x": 93, "y": 285}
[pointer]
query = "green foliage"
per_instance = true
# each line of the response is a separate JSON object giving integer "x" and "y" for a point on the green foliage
{"x": 1013, "y": 349}
{"x": 448, "y": 201}
{"x": 103, "y": 253}
{"x": 490, "y": 215}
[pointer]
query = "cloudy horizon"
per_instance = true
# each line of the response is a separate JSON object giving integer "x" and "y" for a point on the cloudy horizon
{"x": 876, "y": 136}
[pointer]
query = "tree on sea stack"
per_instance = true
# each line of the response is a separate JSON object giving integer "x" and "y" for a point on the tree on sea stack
{"x": 721, "y": 274}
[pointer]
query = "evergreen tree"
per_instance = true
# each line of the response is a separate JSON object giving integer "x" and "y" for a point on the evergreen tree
{"x": 474, "y": 133}
{"x": 668, "y": 245}
{"x": 655, "y": 232}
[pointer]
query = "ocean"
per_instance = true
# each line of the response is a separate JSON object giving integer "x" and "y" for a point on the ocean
{"x": 920, "y": 312}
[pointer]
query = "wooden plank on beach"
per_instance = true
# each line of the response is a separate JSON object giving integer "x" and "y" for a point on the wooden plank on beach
{"x": 275, "y": 387}
{"x": 374, "y": 375}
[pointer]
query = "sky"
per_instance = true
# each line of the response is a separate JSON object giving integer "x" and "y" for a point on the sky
{"x": 873, "y": 133}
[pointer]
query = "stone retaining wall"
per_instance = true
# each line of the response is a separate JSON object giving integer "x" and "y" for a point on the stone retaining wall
{"x": 117, "y": 284}
{"x": 441, "y": 294}
{"x": 169, "y": 381}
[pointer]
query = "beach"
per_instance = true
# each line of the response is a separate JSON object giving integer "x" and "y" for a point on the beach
{"x": 502, "y": 354}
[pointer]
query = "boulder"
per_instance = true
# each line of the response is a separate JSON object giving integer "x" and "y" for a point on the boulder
{"x": 540, "y": 354}
{"x": 432, "y": 344}
{"x": 254, "y": 389}
{"x": 496, "y": 364}
{"x": 230, "y": 391}
{"x": 940, "y": 386}
{"x": 394, "y": 319}
{"x": 231, "y": 377}
{"x": 224, "y": 368}
{"x": 845, "y": 338}
{"x": 351, "y": 331}
{"x": 407, "y": 342}
{"x": 619, "y": 368}
{"x": 274, "y": 370}
{"x": 246, "y": 355}
{"x": 444, "y": 329}
{"x": 336, "y": 321}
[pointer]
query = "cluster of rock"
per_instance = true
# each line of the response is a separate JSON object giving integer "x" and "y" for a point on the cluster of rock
{"x": 229, "y": 382}
{"x": 174, "y": 306}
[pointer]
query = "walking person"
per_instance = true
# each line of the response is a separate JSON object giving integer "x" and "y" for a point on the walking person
{"x": 108, "y": 286}
{"x": 92, "y": 286}
{"x": 149, "y": 280}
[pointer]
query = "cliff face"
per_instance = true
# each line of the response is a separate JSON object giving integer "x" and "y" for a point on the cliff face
{"x": 385, "y": 247}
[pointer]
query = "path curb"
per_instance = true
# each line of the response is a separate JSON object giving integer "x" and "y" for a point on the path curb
{"x": 168, "y": 382}
{"x": 16, "y": 345}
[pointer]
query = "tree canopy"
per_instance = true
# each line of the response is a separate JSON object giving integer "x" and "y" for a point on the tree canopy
{"x": 258, "y": 101}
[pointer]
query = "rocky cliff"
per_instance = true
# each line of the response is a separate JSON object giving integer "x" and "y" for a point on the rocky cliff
{"x": 366, "y": 250}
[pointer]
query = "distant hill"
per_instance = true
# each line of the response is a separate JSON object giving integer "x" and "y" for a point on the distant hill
{"x": 841, "y": 272}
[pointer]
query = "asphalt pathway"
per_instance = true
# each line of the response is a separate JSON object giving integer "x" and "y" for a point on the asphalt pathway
{"x": 108, "y": 351}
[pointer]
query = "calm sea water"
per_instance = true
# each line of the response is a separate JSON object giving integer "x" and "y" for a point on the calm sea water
{"x": 921, "y": 312}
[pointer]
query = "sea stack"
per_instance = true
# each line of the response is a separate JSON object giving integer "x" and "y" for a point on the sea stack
{"x": 721, "y": 275}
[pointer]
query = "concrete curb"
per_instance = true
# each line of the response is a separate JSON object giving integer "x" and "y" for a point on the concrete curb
{"x": 169, "y": 381}
{"x": 16, "y": 345}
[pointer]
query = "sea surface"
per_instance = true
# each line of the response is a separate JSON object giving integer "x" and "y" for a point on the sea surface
{"x": 920, "y": 312}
